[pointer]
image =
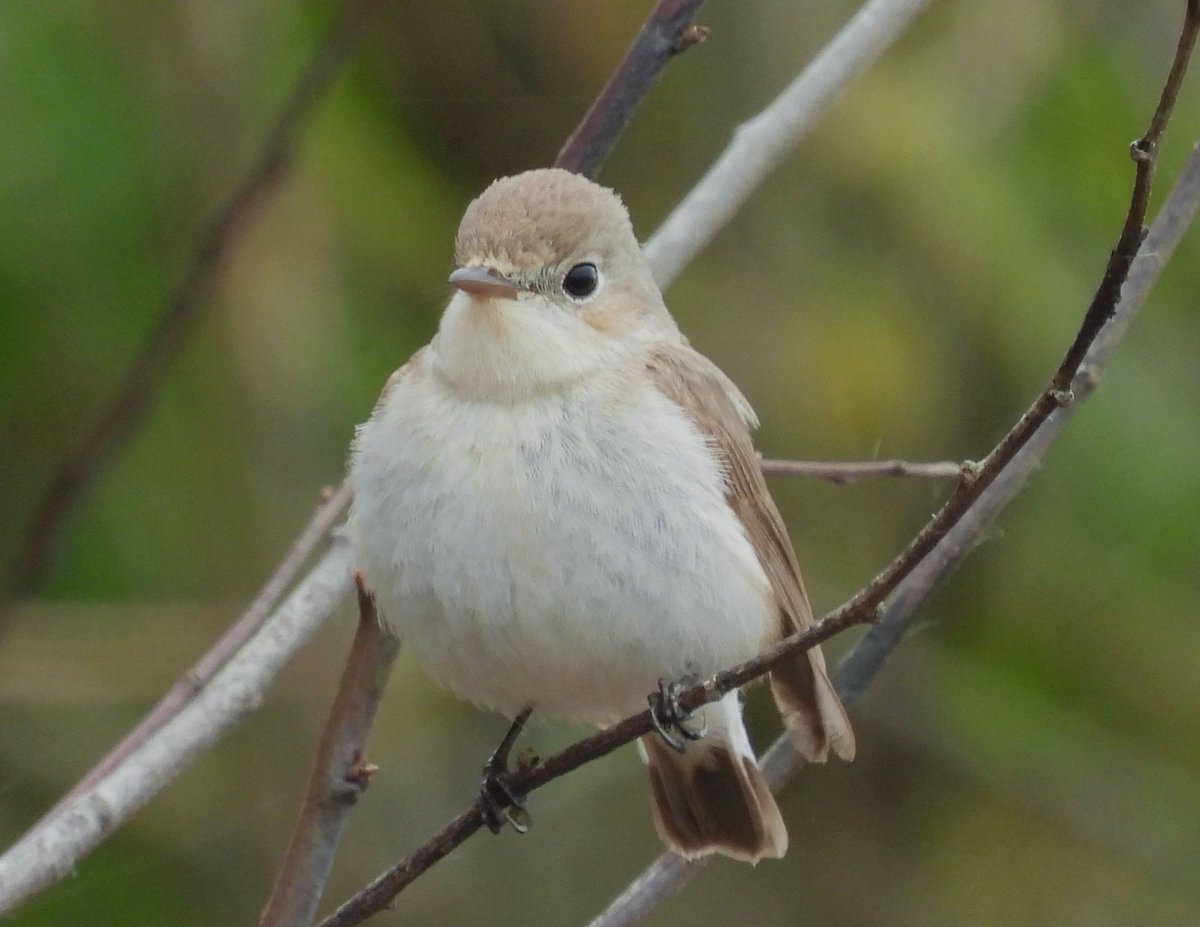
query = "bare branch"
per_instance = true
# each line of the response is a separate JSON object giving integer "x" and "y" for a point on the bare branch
{"x": 145, "y": 375}
{"x": 340, "y": 772}
{"x": 51, "y": 849}
{"x": 667, "y": 32}
{"x": 1144, "y": 152}
{"x": 761, "y": 143}
{"x": 842, "y": 472}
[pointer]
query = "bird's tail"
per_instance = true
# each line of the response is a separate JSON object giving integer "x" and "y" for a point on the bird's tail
{"x": 711, "y": 798}
{"x": 811, "y": 709}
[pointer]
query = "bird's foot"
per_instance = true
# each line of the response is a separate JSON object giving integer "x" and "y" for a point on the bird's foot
{"x": 670, "y": 718}
{"x": 499, "y": 804}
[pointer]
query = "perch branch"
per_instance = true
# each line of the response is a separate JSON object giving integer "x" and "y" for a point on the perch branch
{"x": 340, "y": 772}
{"x": 149, "y": 368}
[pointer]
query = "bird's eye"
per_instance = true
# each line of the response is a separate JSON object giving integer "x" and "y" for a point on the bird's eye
{"x": 581, "y": 280}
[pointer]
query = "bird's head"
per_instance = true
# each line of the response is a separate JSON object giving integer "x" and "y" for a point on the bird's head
{"x": 551, "y": 283}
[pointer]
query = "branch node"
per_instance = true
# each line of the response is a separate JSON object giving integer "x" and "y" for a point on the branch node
{"x": 968, "y": 473}
{"x": 691, "y": 36}
{"x": 1062, "y": 397}
{"x": 360, "y": 772}
{"x": 1142, "y": 150}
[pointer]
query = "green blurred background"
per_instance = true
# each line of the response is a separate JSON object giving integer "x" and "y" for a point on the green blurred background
{"x": 902, "y": 286}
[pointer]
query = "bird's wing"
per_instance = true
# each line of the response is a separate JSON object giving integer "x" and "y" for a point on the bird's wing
{"x": 810, "y": 707}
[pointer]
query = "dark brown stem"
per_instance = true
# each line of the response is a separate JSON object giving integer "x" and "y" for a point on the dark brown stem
{"x": 340, "y": 772}
{"x": 145, "y": 375}
{"x": 864, "y": 607}
{"x": 842, "y": 472}
{"x": 1144, "y": 152}
{"x": 668, "y": 30}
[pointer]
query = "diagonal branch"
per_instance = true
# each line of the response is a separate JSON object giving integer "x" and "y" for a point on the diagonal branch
{"x": 667, "y": 32}
{"x": 149, "y": 368}
{"x": 50, "y": 850}
{"x": 340, "y": 772}
{"x": 333, "y": 504}
{"x": 759, "y": 145}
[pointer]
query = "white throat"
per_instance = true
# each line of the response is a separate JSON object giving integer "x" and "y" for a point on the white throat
{"x": 508, "y": 350}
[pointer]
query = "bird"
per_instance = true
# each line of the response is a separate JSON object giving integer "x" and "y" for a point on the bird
{"x": 557, "y": 505}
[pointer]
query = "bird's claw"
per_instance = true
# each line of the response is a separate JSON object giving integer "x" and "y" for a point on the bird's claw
{"x": 670, "y": 719}
{"x": 498, "y": 803}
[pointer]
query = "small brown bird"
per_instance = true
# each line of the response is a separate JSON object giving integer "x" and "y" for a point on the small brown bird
{"x": 558, "y": 504}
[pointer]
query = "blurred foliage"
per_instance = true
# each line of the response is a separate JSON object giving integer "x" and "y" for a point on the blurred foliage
{"x": 901, "y": 287}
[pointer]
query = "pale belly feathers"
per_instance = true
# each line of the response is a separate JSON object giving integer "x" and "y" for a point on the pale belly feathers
{"x": 564, "y": 552}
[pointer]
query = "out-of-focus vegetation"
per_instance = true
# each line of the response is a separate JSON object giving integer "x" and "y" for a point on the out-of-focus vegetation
{"x": 902, "y": 287}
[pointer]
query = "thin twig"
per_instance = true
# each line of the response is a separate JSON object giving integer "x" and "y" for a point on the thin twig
{"x": 842, "y": 472}
{"x": 340, "y": 772}
{"x": 1011, "y": 459}
{"x": 668, "y": 30}
{"x": 149, "y": 368}
{"x": 1144, "y": 152}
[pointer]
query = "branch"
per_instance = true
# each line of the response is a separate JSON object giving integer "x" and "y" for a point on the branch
{"x": 190, "y": 684}
{"x": 51, "y": 849}
{"x": 149, "y": 368}
{"x": 908, "y": 580}
{"x": 842, "y": 472}
{"x": 667, "y": 32}
{"x": 340, "y": 772}
{"x": 761, "y": 143}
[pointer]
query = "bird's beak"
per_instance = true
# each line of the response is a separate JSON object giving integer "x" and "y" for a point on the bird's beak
{"x": 485, "y": 282}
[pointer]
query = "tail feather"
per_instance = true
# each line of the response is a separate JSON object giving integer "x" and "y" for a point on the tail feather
{"x": 811, "y": 709}
{"x": 712, "y": 797}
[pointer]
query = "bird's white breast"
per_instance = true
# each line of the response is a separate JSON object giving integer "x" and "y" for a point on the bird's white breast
{"x": 564, "y": 551}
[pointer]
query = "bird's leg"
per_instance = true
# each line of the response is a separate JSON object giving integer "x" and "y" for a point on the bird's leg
{"x": 500, "y": 805}
{"x": 669, "y": 717}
